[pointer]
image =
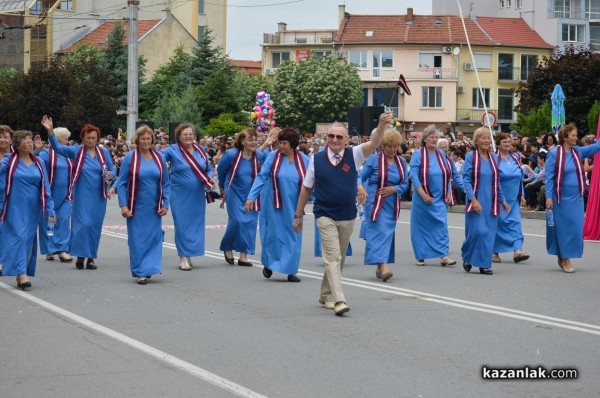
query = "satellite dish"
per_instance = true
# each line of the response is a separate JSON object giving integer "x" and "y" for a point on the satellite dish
{"x": 456, "y": 51}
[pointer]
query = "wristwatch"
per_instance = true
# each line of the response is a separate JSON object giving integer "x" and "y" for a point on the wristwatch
{"x": 297, "y": 215}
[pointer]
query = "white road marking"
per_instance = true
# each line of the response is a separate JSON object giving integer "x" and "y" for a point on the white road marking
{"x": 162, "y": 356}
{"x": 434, "y": 298}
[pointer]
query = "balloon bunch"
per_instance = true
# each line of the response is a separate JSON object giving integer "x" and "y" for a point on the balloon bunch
{"x": 393, "y": 122}
{"x": 263, "y": 113}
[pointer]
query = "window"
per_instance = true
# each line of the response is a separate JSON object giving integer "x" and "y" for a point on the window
{"x": 201, "y": 7}
{"x": 301, "y": 40}
{"x": 321, "y": 53}
{"x": 518, "y": 4}
{"x": 201, "y": 30}
{"x": 358, "y": 58}
{"x": 478, "y": 99}
{"x": 483, "y": 60}
{"x": 11, "y": 49}
{"x": 573, "y": 33}
{"x": 66, "y": 5}
{"x": 505, "y": 104}
{"x": 506, "y": 66}
{"x": 508, "y": 3}
{"x": 528, "y": 64}
{"x": 383, "y": 59}
{"x": 430, "y": 60}
{"x": 432, "y": 97}
{"x": 562, "y": 8}
{"x": 279, "y": 57}
{"x": 384, "y": 97}
{"x": 501, "y": 3}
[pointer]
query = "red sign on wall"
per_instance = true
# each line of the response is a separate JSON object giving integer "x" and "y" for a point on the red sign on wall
{"x": 302, "y": 55}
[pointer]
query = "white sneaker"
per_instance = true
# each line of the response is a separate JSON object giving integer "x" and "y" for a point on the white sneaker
{"x": 340, "y": 308}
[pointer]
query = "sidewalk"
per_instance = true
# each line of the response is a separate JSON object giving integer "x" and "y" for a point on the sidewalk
{"x": 529, "y": 214}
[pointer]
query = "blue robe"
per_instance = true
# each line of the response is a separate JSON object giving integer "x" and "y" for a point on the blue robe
{"x": 144, "y": 229}
{"x": 262, "y": 218}
{"x": 429, "y": 222}
{"x": 188, "y": 202}
{"x": 480, "y": 228}
{"x": 23, "y": 213}
{"x": 282, "y": 246}
{"x": 509, "y": 235}
{"x": 89, "y": 207}
{"x": 568, "y": 214}
{"x": 240, "y": 234}
{"x": 60, "y": 241}
{"x": 380, "y": 234}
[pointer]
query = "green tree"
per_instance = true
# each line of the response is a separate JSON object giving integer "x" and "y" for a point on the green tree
{"x": 7, "y": 75}
{"x": 187, "y": 109}
{"x": 206, "y": 60}
{"x": 593, "y": 118}
{"x": 171, "y": 77}
{"x": 224, "y": 124}
{"x": 247, "y": 87}
{"x": 535, "y": 121}
{"x": 577, "y": 71}
{"x": 165, "y": 110}
{"x": 318, "y": 90}
{"x": 217, "y": 96}
{"x": 115, "y": 60}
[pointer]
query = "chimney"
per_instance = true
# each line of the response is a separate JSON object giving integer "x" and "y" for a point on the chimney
{"x": 341, "y": 13}
{"x": 281, "y": 27}
{"x": 409, "y": 16}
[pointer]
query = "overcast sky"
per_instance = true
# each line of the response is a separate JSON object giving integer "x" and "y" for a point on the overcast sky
{"x": 246, "y": 25}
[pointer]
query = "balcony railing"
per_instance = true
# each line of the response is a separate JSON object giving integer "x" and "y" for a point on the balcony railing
{"x": 436, "y": 73}
{"x": 471, "y": 115}
{"x": 509, "y": 73}
{"x": 325, "y": 38}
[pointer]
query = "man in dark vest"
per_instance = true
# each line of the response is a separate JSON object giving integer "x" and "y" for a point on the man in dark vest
{"x": 332, "y": 174}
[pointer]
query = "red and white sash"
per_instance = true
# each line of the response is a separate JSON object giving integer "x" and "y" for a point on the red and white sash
{"x": 560, "y": 171}
{"x": 134, "y": 179}
{"x": 453, "y": 200}
{"x": 53, "y": 164}
{"x": 476, "y": 177}
{"x": 300, "y": 168}
{"x": 202, "y": 174}
{"x": 13, "y": 164}
{"x": 79, "y": 162}
{"x": 382, "y": 181}
{"x": 424, "y": 172}
{"x": 235, "y": 166}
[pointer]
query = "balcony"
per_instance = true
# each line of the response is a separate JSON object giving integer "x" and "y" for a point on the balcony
{"x": 471, "y": 115}
{"x": 299, "y": 37}
{"x": 436, "y": 73}
{"x": 509, "y": 73}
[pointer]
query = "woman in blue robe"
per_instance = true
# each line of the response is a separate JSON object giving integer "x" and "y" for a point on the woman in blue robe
{"x": 58, "y": 170}
{"x": 237, "y": 170}
{"x": 23, "y": 203}
{"x": 5, "y": 148}
{"x": 567, "y": 207}
{"x": 383, "y": 203}
{"x": 93, "y": 169}
{"x": 432, "y": 180}
{"x": 282, "y": 246}
{"x": 269, "y": 145}
{"x": 509, "y": 235}
{"x": 191, "y": 179}
{"x": 483, "y": 196}
{"x": 144, "y": 212}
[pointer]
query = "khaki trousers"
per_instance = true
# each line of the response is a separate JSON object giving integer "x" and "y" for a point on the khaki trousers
{"x": 335, "y": 236}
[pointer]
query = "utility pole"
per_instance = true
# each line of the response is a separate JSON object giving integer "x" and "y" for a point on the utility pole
{"x": 132, "y": 69}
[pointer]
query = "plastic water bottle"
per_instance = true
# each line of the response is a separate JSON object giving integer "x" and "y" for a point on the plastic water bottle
{"x": 105, "y": 172}
{"x": 550, "y": 217}
{"x": 50, "y": 230}
{"x": 361, "y": 211}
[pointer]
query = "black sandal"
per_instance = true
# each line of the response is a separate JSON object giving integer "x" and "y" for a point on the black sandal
{"x": 79, "y": 263}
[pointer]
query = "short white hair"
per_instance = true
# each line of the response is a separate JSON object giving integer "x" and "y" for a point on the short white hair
{"x": 62, "y": 133}
{"x": 441, "y": 142}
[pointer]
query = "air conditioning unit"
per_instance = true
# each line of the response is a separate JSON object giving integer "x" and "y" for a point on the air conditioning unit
{"x": 270, "y": 71}
{"x": 460, "y": 90}
{"x": 468, "y": 66}
{"x": 437, "y": 74}
{"x": 447, "y": 49}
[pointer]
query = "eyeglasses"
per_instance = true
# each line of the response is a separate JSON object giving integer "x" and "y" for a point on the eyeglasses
{"x": 333, "y": 136}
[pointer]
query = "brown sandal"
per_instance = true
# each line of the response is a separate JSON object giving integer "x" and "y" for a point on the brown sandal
{"x": 90, "y": 264}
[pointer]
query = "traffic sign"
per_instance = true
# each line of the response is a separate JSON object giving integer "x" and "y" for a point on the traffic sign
{"x": 489, "y": 120}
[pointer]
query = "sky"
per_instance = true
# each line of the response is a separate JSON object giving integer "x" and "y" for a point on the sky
{"x": 246, "y": 25}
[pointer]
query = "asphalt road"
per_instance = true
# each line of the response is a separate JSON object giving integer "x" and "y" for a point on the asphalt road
{"x": 224, "y": 331}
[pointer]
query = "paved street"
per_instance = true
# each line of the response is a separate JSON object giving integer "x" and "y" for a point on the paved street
{"x": 224, "y": 331}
